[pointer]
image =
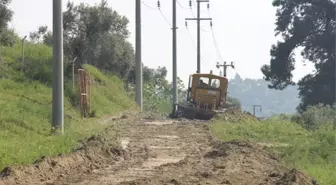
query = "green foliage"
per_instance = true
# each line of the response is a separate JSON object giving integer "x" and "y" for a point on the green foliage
{"x": 97, "y": 35}
{"x": 153, "y": 102}
{"x": 235, "y": 102}
{"x": 108, "y": 93}
{"x": 311, "y": 151}
{"x": 38, "y": 60}
{"x": 316, "y": 117}
{"x": 309, "y": 25}
{"x": 42, "y": 35}
{"x": 157, "y": 91}
{"x": 5, "y": 17}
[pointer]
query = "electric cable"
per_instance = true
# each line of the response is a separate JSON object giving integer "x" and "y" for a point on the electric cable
{"x": 164, "y": 17}
{"x": 193, "y": 14}
{"x": 215, "y": 43}
{"x": 192, "y": 2}
{"x": 192, "y": 40}
{"x": 213, "y": 36}
{"x": 148, "y": 6}
{"x": 178, "y": 2}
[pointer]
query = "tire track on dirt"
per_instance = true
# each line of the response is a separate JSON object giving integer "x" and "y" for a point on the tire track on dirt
{"x": 164, "y": 152}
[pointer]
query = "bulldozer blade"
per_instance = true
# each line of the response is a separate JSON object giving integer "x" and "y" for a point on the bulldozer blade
{"x": 189, "y": 111}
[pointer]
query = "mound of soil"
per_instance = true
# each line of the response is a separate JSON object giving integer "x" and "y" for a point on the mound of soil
{"x": 236, "y": 115}
{"x": 91, "y": 156}
{"x": 255, "y": 165}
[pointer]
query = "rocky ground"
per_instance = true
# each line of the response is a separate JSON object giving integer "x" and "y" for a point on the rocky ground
{"x": 152, "y": 151}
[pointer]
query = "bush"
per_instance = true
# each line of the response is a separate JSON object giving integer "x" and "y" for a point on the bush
{"x": 234, "y": 101}
{"x": 317, "y": 116}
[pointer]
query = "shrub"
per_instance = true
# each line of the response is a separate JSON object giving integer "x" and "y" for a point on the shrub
{"x": 234, "y": 101}
{"x": 317, "y": 116}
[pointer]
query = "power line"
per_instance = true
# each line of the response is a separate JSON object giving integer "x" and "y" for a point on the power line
{"x": 158, "y": 8}
{"x": 213, "y": 36}
{"x": 190, "y": 7}
{"x": 199, "y": 19}
{"x": 192, "y": 41}
{"x": 192, "y": 12}
{"x": 192, "y": 2}
{"x": 178, "y": 2}
{"x": 215, "y": 43}
{"x": 164, "y": 18}
{"x": 208, "y": 7}
{"x": 148, "y": 6}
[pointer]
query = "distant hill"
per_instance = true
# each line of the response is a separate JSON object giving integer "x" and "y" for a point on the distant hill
{"x": 255, "y": 91}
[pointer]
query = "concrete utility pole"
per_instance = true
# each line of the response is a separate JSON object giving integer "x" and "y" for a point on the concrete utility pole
{"x": 224, "y": 66}
{"x": 22, "y": 54}
{"x": 254, "y": 107}
{"x": 58, "y": 91}
{"x": 199, "y": 19}
{"x": 138, "y": 67}
{"x": 175, "y": 91}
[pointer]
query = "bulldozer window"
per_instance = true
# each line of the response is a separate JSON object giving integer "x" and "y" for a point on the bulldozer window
{"x": 215, "y": 83}
{"x": 203, "y": 82}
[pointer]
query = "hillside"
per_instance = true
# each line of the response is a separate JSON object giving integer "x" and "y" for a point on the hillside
{"x": 25, "y": 116}
{"x": 256, "y": 92}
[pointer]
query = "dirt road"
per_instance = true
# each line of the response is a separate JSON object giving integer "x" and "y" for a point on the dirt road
{"x": 152, "y": 152}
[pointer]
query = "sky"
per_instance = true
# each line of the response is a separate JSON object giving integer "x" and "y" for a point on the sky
{"x": 243, "y": 31}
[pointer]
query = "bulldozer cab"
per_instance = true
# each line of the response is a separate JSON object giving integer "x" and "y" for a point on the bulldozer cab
{"x": 207, "y": 91}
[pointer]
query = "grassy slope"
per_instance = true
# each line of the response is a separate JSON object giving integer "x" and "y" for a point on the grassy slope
{"x": 313, "y": 152}
{"x": 25, "y": 113}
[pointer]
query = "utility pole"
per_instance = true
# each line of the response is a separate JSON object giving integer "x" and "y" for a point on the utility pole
{"x": 175, "y": 91}
{"x": 254, "y": 107}
{"x": 224, "y": 66}
{"x": 22, "y": 54}
{"x": 58, "y": 91}
{"x": 199, "y": 19}
{"x": 138, "y": 66}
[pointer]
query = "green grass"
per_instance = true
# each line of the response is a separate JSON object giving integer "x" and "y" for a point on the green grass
{"x": 312, "y": 152}
{"x": 25, "y": 113}
{"x": 108, "y": 94}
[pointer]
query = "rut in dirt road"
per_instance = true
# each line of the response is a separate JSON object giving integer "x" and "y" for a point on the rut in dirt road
{"x": 162, "y": 152}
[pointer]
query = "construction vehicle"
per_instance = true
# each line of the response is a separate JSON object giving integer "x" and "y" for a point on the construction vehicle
{"x": 206, "y": 96}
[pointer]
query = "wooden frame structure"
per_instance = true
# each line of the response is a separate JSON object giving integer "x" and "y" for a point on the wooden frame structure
{"x": 84, "y": 91}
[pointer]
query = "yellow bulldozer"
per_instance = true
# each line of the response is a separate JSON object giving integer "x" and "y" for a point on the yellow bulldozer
{"x": 206, "y": 96}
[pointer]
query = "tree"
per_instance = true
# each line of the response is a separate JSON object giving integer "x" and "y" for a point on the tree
{"x": 42, "y": 35}
{"x": 309, "y": 25}
{"x": 7, "y": 36}
{"x": 97, "y": 35}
